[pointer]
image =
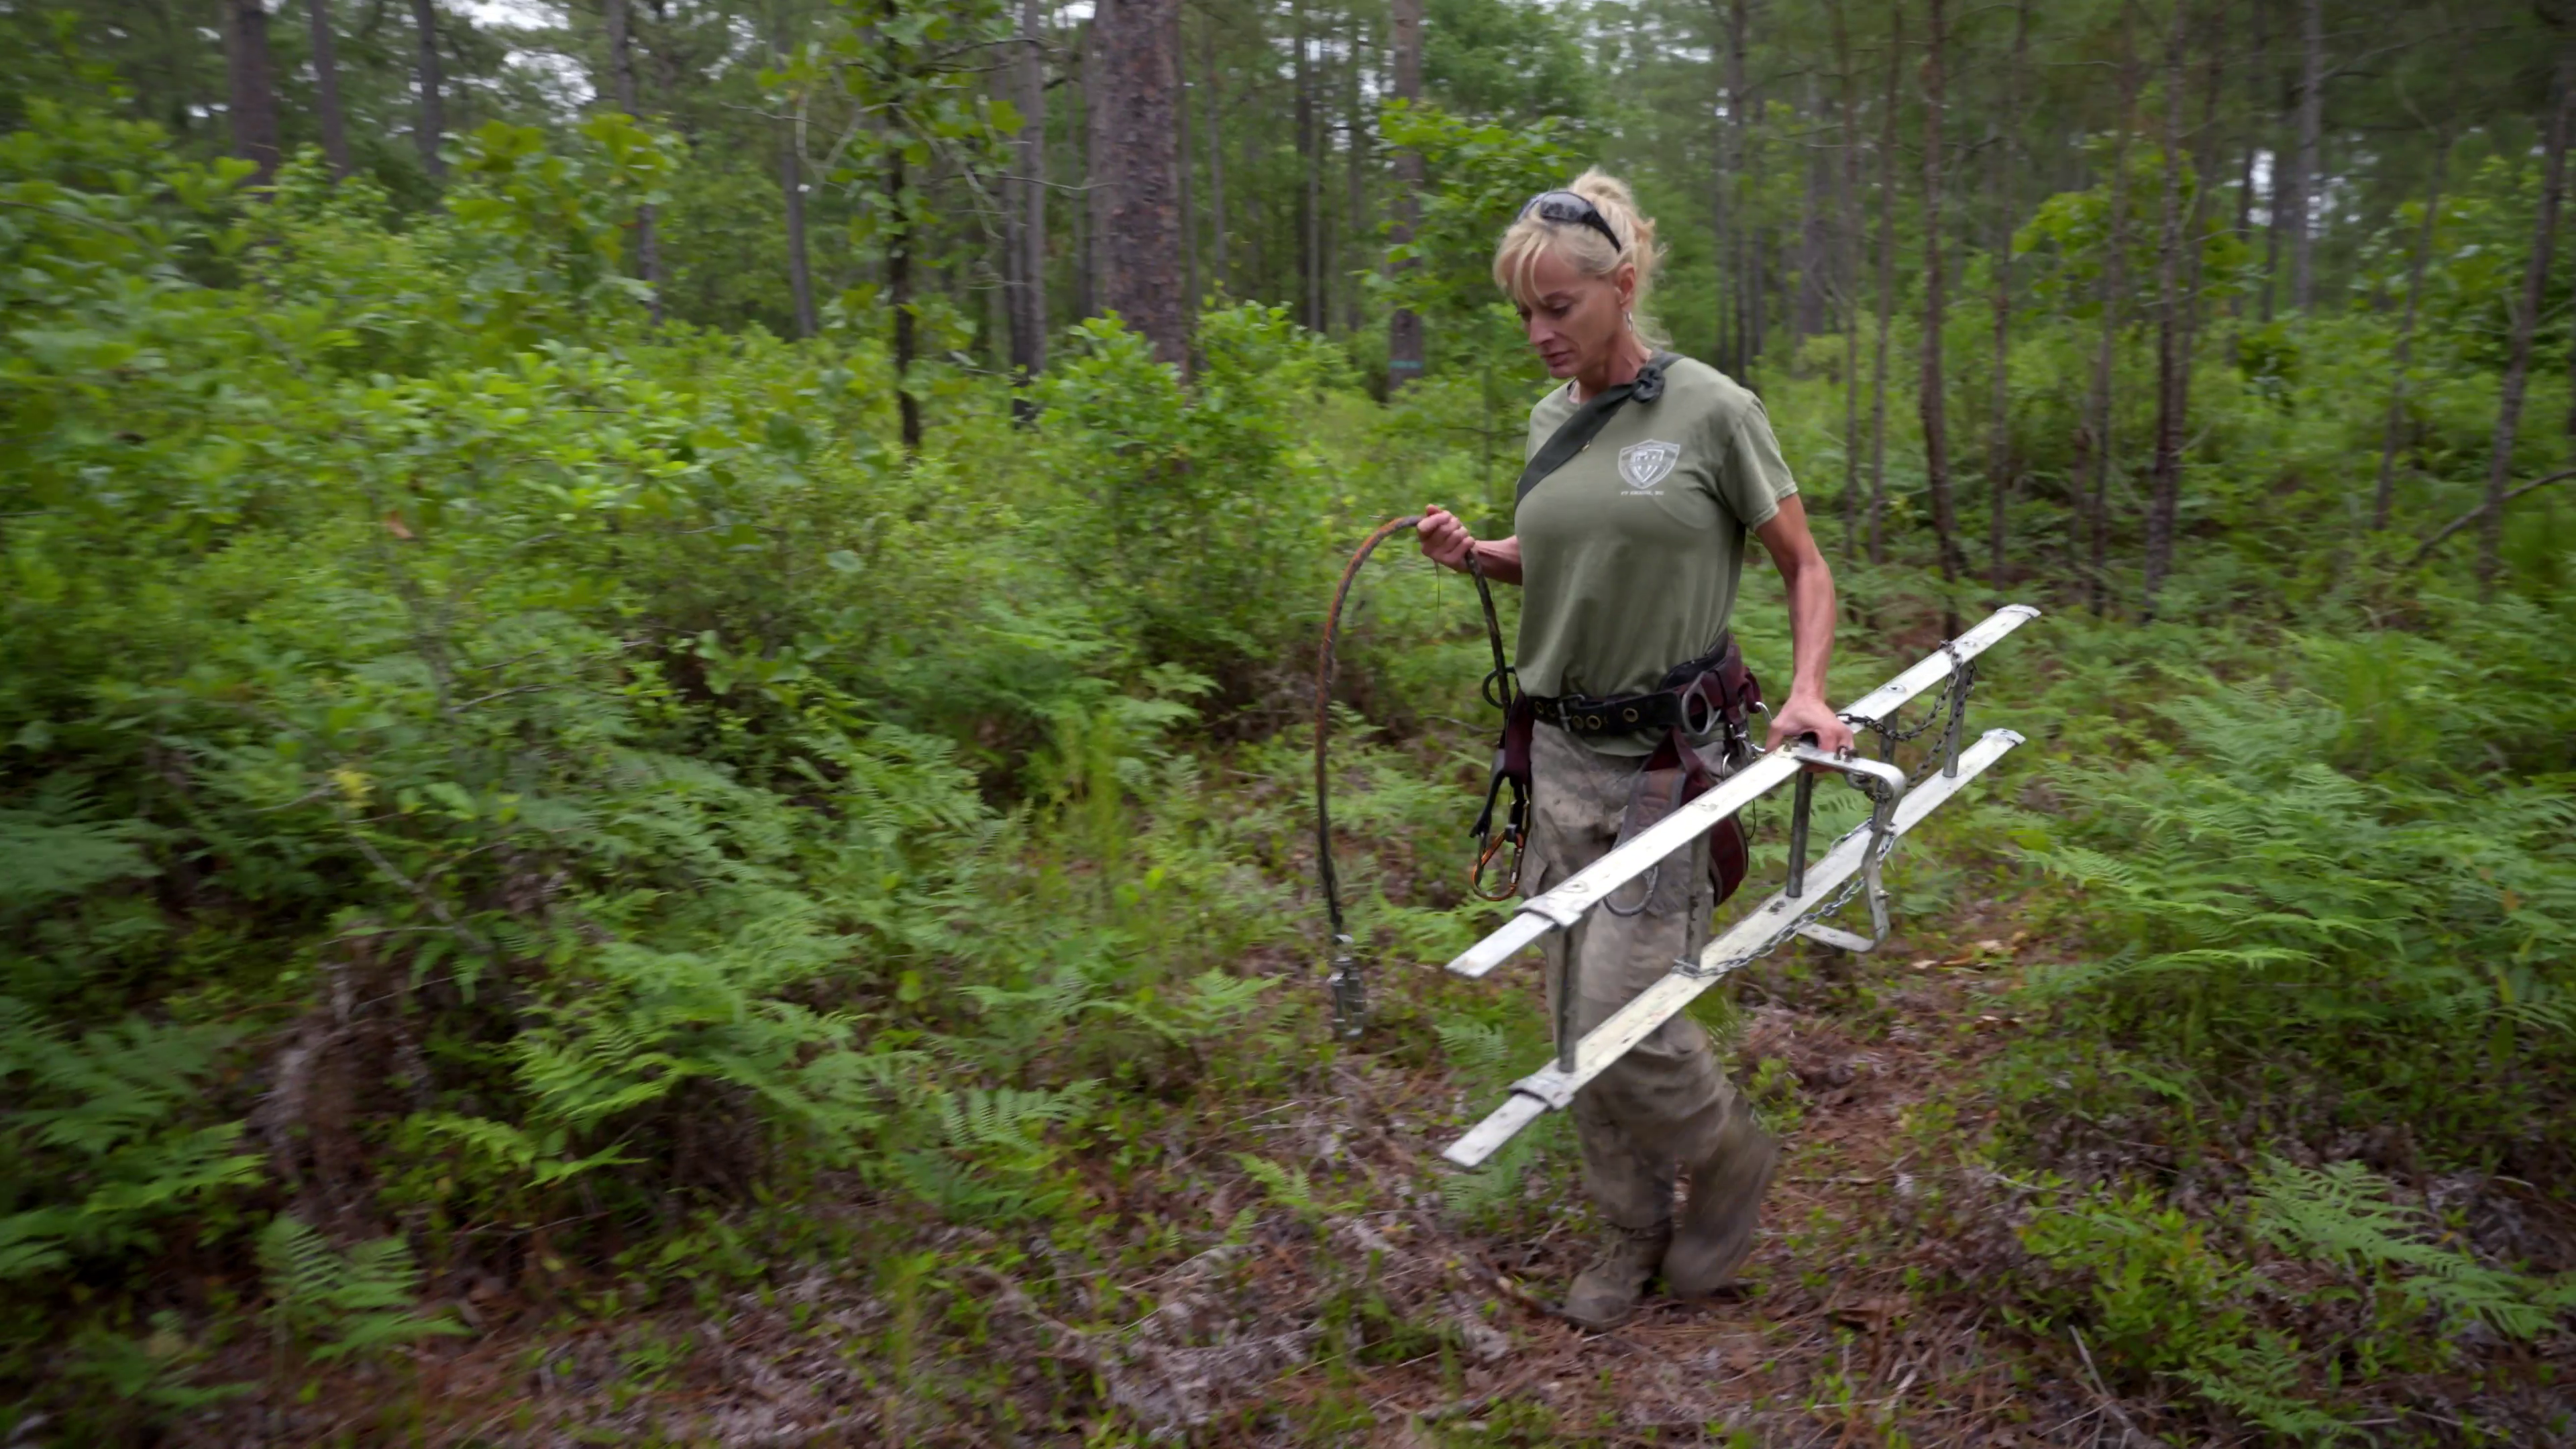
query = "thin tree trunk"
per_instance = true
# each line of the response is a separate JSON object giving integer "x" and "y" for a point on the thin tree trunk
{"x": 1029, "y": 301}
{"x": 1855, "y": 246}
{"x": 1086, "y": 217}
{"x": 2312, "y": 105}
{"x": 1886, "y": 292}
{"x": 1190, "y": 297}
{"x": 1999, "y": 433}
{"x": 1216, "y": 168}
{"x": 2254, "y": 79}
{"x": 1807, "y": 310}
{"x": 1739, "y": 106}
{"x": 791, "y": 178}
{"x": 433, "y": 105}
{"x": 252, "y": 110}
{"x": 898, "y": 274}
{"x": 621, "y": 57}
{"x": 1933, "y": 401}
{"x": 2384, "y": 498}
{"x": 1310, "y": 218}
{"x": 2114, "y": 284}
{"x": 326, "y": 88}
{"x": 1404, "y": 327}
{"x": 2517, "y": 370}
{"x": 2165, "y": 488}
{"x": 1355, "y": 204}
{"x": 1137, "y": 43}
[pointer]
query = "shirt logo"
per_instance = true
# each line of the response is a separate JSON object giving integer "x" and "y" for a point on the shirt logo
{"x": 1646, "y": 465}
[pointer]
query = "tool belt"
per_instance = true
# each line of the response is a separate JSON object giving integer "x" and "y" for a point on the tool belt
{"x": 1713, "y": 694}
{"x": 1693, "y": 697}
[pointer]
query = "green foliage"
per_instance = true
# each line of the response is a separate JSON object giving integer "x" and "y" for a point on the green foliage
{"x": 341, "y": 1304}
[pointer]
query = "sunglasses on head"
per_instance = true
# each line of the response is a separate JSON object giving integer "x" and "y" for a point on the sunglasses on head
{"x": 1567, "y": 206}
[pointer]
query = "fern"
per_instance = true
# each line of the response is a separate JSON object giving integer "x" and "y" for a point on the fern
{"x": 343, "y": 1304}
{"x": 2341, "y": 1214}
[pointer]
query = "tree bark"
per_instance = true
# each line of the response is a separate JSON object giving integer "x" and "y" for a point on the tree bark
{"x": 621, "y": 60}
{"x": 1999, "y": 432}
{"x": 2165, "y": 487}
{"x": 326, "y": 89}
{"x": 1216, "y": 168}
{"x": 898, "y": 280}
{"x": 1028, "y": 297}
{"x": 1403, "y": 327}
{"x": 2115, "y": 267}
{"x": 1190, "y": 297}
{"x": 1355, "y": 201}
{"x": 251, "y": 113}
{"x": 432, "y": 130}
{"x": 1855, "y": 246}
{"x": 1886, "y": 292}
{"x": 2383, "y": 500}
{"x": 2517, "y": 370}
{"x": 1136, "y": 44}
{"x": 1310, "y": 215}
{"x": 1932, "y": 400}
{"x": 2312, "y": 103}
{"x": 1739, "y": 235}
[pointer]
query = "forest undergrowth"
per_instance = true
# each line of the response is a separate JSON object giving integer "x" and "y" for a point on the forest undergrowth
{"x": 556, "y": 887}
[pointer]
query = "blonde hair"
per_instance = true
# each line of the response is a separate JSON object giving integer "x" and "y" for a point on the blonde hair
{"x": 1587, "y": 251}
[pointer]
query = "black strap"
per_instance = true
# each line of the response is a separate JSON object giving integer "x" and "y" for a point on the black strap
{"x": 1577, "y": 432}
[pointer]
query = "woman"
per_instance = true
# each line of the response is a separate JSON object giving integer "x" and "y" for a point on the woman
{"x": 1629, "y": 549}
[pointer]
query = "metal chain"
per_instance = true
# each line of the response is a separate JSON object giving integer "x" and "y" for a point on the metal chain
{"x": 1952, "y": 708}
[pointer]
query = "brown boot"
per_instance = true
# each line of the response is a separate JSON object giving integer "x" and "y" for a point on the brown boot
{"x": 1605, "y": 1293}
{"x": 1717, "y": 1221}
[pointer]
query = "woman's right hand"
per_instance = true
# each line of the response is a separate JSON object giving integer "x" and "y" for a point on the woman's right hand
{"x": 1445, "y": 541}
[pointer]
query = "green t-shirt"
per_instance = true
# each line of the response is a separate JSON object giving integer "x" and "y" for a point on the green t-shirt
{"x": 1631, "y": 551}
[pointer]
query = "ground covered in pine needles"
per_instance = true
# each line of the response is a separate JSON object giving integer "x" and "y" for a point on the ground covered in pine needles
{"x": 1290, "y": 1272}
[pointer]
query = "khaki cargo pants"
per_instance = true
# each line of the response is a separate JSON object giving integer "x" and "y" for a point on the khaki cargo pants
{"x": 1665, "y": 1103}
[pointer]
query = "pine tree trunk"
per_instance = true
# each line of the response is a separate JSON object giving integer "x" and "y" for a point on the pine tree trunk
{"x": 2312, "y": 105}
{"x": 2384, "y": 497}
{"x": 1136, "y": 43}
{"x": 2517, "y": 369}
{"x": 1404, "y": 328}
{"x": 1739, "y": 106}
{"x": 621, "y": 59}
{"x": 1886, "y": 294}
{"x": 1029, "y": 299}
{"x": 433, "y": 102}
{"x": 326, "y": 88}
{"x": 252, "y": 109}
{"x": 2115, "y": 268}
{"x": 1216, "y": 168}
{"x": 1355, "y": 203}
{"x": 898, "y": 278}
{"x": 1095, "y": 190}
{"x": 1190, "y": 295}
{"x": 1310, "y": 220}
{"x": 1855, "y": 246}
{"x": 1933, "y": 399}
{"x": 1999, "y": 432}
{"x": 2165, "y": 486}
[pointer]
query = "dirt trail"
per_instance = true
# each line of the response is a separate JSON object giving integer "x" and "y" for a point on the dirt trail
{"x": 1836, "y": 1340}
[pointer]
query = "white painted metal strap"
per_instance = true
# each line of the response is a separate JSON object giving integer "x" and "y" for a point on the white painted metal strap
{"x": 1564, "y": 904}
{"x": 1535, "y": 1094}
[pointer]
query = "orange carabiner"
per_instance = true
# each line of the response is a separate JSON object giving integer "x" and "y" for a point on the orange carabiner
{"x": 1485, "y": 861}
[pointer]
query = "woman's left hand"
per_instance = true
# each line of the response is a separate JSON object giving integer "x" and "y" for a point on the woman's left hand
{"x": 1805, "y": 715}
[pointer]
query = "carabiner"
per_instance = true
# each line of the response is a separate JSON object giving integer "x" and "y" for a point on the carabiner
{"x": 1485, "y": 860}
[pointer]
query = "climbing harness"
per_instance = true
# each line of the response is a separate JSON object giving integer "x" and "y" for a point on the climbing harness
{"x": 1813, "y": 890}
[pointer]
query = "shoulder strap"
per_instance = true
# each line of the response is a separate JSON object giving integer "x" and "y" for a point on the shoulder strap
{"x": 1578, "y": 431}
